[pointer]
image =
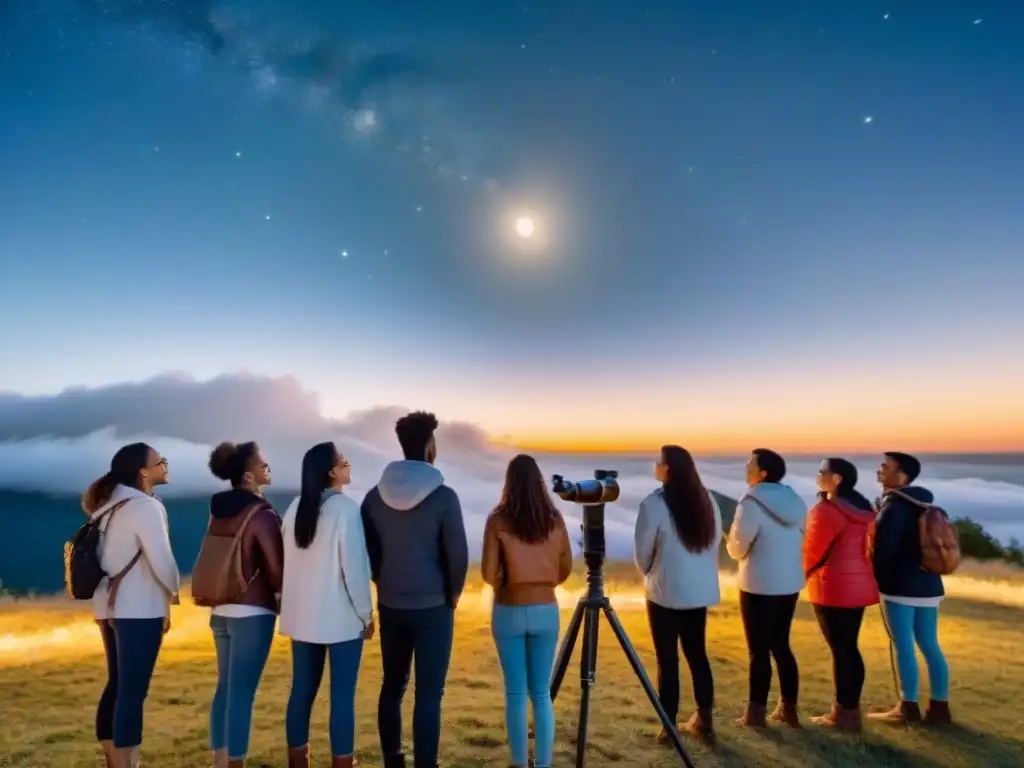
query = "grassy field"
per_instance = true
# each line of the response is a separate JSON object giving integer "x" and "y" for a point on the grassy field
{"x": 51, "y": 673}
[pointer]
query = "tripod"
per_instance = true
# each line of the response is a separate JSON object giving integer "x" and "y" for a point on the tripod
{"x": 587, "y": 614}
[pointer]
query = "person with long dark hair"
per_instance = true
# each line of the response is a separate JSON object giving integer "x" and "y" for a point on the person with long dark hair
{"x": 766, "y": 539}
{"x": 526, "y": 554}
{"x": 840, "y": 582}
{"x": 243, "y": 629}
{"x": 678, "y": 531}
{"x": 419, "y": 556}
{"x": 326, "y": 607}
{"x": 132, "y": 604}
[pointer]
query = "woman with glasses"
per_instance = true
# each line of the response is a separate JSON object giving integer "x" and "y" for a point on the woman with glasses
{"x": 132, "y": 603}
{"x": 326, "y": 608}
{"x": 243, "y": 629}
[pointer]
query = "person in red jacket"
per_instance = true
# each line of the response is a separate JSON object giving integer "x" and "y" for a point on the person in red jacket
{"x": 840, "y": 582}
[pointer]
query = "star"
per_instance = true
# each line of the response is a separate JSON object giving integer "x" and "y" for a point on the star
{"x": 978, "y": 21}
{"x": 238, "y": 154}
{"x": 886, "y": 16}
{"x": 868, "y": 120}
{"x": 267, "y": 217}
{"x": 344, "y": 254}
{"x": 419, "y": 209}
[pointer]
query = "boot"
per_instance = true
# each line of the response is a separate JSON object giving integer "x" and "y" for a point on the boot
{"x": 702, "y": 726}
{"x": 904, "y": 713}
{"x": 342, "y": 762}
{"x": 753, "y": 716}
{"x": 298, "y": 757}
{"x": 938, "y": 714}
{"x": 394, "y": 761}
{"x": 786, "y": 713}
{"x": 239, "y": 763}
{"x": 841, "y": 718}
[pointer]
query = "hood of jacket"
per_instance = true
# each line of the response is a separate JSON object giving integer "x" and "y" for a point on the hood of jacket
{"x": 121, "y": 493}
{"x": 913, "y": 491}
{"x": 230, "y": 503}
{"x": 852, "y": 514}
{"x": 787, "y": 505}
{"x": 405, "y": 484}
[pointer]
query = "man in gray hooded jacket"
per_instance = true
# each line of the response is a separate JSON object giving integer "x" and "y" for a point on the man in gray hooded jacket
{"x": 416, "y": 540}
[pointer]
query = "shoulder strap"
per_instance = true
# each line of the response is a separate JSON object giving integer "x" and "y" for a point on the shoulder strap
{"x": 114, "y": 581}
{"x": 767, "y": 509}
{"x": 917, "y": 503}
{"x": 237, "y": 541}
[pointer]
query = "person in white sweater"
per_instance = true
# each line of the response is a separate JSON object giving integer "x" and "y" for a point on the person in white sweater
{"x": 678, "y": 532}
{"x": 132, "y": 604}
{"x": 766, "y": 539}
{"x": 326, "y": 606}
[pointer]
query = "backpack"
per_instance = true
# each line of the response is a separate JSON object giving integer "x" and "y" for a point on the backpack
{"x": 940, "y": 542}
{"x": 218, "y": 577}
{"x": 82, "y": 570}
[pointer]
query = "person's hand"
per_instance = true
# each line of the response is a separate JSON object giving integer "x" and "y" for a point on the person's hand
{"x": 176, "y": 599}
{"x": 167, "y": 623}
{"x": 455, "y": 601}
{"x": 369, "y": 629}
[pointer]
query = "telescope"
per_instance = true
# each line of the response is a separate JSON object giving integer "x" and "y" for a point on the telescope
{"x": 593, "y": 495}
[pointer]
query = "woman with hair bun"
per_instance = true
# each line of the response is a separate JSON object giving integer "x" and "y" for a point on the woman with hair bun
{"x": 243, "y": 628}
{"x": 132, "y": 603}
{"x": 840, "y": 582}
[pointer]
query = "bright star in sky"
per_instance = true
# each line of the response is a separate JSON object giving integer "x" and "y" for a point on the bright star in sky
{"x": 525, "y": 226}
{"x": 868, "y": 120}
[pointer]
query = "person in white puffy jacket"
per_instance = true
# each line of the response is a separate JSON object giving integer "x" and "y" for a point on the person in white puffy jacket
{"x": 132, "y": 603}
{"x": 766, "y": 539}
{"x": 326, "y": 607}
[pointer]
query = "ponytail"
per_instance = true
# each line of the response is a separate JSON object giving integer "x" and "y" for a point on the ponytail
{"x": 98, "y": 493}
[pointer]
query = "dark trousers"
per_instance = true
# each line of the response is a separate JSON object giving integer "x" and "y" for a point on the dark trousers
{"x": 841, "y": 628}
{"x": 671, "y": 628}
{"x": 426, "y": 636}
{"x": 767, "y": 620}
{"x": 131, "y": 647}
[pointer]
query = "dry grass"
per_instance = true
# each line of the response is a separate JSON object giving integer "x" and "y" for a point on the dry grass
{"x": 51, "y": 672}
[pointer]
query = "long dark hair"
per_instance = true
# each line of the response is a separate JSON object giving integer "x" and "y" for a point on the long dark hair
{"x": 316, "y": 478}
{"x": 688, "y": 501}
{"x": 846, "y": 490}
{"x": 125, "y": 467}
{"x": 230, "y": 462}
{"x": 525, "y": 505}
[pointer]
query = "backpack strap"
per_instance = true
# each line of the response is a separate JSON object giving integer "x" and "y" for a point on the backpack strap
{"x": 114, "y": 581}
{"x": 253, "y": 509}
{"x": 917, "y": 503}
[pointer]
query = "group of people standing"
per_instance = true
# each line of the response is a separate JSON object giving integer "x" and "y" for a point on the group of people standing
{"x": 849, "y": 553}
{"x": 308, "y": 576}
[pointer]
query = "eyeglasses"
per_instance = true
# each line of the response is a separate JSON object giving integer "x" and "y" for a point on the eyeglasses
{"x": 344, "y": 464}
{"x": 161, "y": 463}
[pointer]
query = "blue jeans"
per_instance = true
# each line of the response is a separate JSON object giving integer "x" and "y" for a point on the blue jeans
{"x": 425, "y": 634}
{"x": 907, "y": 624}
{"x": 307, "y": 672}
{"x": 131, "y": 647}
{"x": 526, "y": 637}
{"x": 242, "y": 645}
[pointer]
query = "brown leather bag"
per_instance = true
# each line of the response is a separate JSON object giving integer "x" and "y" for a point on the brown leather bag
{"x": 218, "y": 577}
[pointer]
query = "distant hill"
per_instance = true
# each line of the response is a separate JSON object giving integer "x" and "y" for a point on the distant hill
{"x": 36, "y": 525}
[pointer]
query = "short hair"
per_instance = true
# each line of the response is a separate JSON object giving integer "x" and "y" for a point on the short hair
{"x": 414, "y": 431}
{"x": 771, "y": 463}
{"x": 907, "y": 464}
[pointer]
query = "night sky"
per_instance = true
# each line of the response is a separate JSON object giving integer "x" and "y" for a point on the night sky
{"x": 793, "y": 218}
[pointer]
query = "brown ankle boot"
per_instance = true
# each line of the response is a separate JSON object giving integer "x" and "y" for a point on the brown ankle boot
{"x": 786, "y": 713}
{"x": 904, "y": 713}
{"x": 753, "y": 717}
{"x": 701, "y": 725}
{"x": 938, "y": 714}
{"x": 236, "y": 763}
{"x": 342, "y": 762}
{"x": 841, "y": 718}
{"x": 298, "y": 757}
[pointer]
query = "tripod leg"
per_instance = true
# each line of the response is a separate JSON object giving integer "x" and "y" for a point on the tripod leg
{"x": 565, "y": 652}
{"x": 645, "y": 681}
{"x": 588, "y": 669}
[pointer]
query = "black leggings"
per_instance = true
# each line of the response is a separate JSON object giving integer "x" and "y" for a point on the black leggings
{"x": 841, "y": 628}
{"x": 766, "y": 621}
{"x": 671, "y": 628}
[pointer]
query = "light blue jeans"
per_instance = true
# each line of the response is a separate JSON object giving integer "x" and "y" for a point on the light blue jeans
{"x": 526, "y": 637}
{"x": 908, "y": 624}
{"x": 242, "y": 645}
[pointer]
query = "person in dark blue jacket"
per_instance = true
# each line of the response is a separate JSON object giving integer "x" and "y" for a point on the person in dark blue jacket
{"x": 910, "y": 595}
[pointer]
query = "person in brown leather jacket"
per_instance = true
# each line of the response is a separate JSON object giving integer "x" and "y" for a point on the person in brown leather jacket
{"x": 526, "y": 554}
{"x": 244, "y": 630}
